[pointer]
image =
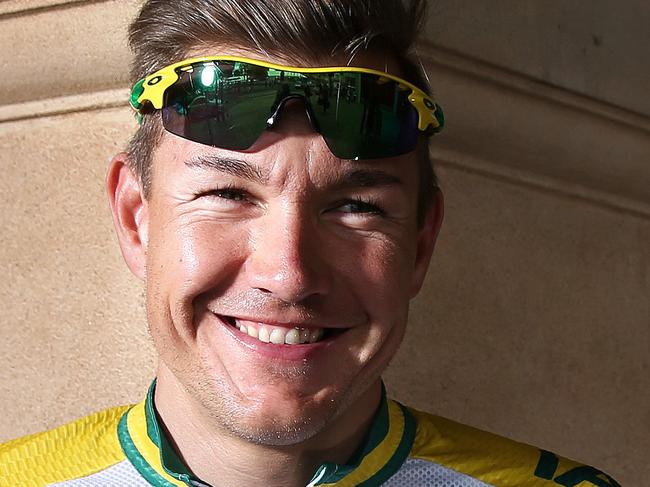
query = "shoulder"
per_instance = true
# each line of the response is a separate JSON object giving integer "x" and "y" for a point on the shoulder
{"x": 74, "y": 450}
{"x": 495, "y": 460}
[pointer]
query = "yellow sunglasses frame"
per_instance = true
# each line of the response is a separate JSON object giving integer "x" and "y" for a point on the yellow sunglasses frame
{"x": 154, "y": 86}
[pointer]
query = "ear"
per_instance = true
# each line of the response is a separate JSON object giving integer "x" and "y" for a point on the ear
{"x": 130, "y": 215}
{"x": 427, "y": 236}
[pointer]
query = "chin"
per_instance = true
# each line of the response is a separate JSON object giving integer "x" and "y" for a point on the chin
{"x": 280, "y": 412}
{"x": 272, "y": 418}
{"x": 284, "y": 432}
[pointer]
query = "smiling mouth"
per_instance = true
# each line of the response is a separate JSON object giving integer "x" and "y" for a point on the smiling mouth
{"x": 280, "y": 335}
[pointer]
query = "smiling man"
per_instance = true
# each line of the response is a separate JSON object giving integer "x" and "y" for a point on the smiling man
{"x": 279, "y": 204}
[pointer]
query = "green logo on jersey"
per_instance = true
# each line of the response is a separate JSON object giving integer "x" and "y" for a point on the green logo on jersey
{"x": 547, "y": 468}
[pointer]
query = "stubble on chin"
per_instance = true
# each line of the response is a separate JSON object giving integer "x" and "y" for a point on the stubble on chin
{"x": 247, "y": 421}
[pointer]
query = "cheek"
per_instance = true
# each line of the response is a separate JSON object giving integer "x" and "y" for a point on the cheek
{"x": 380, "y": 277}
{"x": 190, "y": 256}
{"x": 381, "y": 272}
{"x": 187, "y": 260}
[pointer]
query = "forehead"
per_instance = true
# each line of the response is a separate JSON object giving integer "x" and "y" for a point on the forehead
{"x": 290, "y": 159}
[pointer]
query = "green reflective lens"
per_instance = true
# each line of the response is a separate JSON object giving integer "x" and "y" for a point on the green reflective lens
{"x": 230, "y": 104}
{"x": 137, "y": 90}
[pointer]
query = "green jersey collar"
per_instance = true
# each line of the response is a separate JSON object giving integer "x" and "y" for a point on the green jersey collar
{"x": 386, "y": 447}
{"x": 148, "y": 449}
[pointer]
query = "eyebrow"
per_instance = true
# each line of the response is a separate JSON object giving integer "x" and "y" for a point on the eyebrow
{"x": 229, "y": 165}
{"x": 367, "y": 178}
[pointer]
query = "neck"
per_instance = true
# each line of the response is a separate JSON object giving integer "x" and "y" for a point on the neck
{"x": 218, "y": 457}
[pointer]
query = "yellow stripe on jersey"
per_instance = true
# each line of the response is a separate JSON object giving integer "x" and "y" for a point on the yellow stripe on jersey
{"x": 493, "y": 459}
{"x": 136, "y": 421}
{"x": 74, "y": 450}
{"x": 382, "y": 453}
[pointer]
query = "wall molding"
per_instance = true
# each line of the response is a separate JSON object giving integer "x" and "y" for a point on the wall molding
{"x": 23, "y": 7}
{"x": 436, "y": 55}
{"x": 519, "y": 123}
{"x": 468, "y": 163}
{"x": 97, "y": 100}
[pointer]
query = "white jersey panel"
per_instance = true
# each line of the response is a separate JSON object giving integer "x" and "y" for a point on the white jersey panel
{"x": 119, "y": 475}
{"x": 421, "y": 473}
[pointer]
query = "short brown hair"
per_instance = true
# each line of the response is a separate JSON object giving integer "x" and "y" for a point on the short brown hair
{"x": 165, "y": 32}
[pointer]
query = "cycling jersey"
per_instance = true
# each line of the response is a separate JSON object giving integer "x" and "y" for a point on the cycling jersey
{"x": 125, "y": 446}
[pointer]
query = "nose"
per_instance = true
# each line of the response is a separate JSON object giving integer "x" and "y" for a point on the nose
{"x": 286, "y": 260}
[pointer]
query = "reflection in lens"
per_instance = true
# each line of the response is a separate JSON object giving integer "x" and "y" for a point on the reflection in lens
{"x": 208, "y": 75}
{"x": 229, "y": 105}
{"x": 221, "y": 104}
{"x": 373, "y": 118}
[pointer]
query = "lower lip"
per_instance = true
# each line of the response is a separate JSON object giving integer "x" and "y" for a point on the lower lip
{"x": 292, "y": 353}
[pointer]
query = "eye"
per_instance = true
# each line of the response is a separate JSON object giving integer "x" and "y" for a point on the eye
{"x": 226, "y": 198}
{"x": 359, "y": 206}
{"x": 232, "y": 194}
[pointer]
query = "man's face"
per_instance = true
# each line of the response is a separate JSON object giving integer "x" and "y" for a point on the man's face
{"x": 249, "y": 253}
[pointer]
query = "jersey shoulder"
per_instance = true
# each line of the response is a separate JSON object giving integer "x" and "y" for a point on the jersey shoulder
{"x": 74, "y": 450}
{"x": 495, "y": 460}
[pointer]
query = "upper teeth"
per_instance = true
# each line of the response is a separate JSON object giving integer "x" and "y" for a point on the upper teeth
{"x": 278, "y": 335}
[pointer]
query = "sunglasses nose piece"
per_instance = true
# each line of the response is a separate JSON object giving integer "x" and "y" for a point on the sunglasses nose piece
{"x": 276, "y": 114}
{"x": 311, "y": 116}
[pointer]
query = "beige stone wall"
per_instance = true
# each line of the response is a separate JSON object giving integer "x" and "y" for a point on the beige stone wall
{"x": 534, "y": 322}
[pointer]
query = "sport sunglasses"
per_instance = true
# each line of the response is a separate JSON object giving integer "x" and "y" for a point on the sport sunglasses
{"x": 228, "y": 101}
